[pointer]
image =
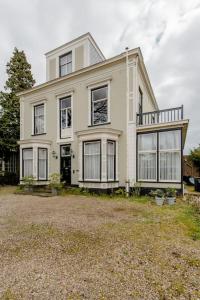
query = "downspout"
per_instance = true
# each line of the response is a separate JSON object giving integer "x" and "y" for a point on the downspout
{"x": 127, "y": 118}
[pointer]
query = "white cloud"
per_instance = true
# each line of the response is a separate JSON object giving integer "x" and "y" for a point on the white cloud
{"x": 167, "y": 31}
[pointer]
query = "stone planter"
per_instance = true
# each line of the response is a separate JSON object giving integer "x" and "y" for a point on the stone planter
{"x": 159, "y": 201}
{"x": 171, "y": 200}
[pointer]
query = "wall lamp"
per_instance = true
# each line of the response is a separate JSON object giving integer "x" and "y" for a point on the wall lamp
{"x": 54, "y": 155}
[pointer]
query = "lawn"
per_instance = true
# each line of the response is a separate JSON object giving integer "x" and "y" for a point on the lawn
{"x": 86, "y": 247}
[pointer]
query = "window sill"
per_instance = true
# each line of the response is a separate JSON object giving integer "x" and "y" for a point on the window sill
{"x": 93, "y": 181}
{"x": 38, "y": 134}
{"x": 107, "y": 123}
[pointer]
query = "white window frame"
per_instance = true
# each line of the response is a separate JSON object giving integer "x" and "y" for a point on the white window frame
{"x": 71, "y": 62}
{"x": 144, "y": 152}
{"x": 98, "y": 86}
{"x": 114, "y": 171}
{"x": 100, "y": 155}
{"x": 169, "y": 151}
{"x": 60, "y": 96}
{"x": 37, "y": 103}
{"x": 46, "y": 166}
{"x": 30, "y": 149}
{"x": 66, "y": 110}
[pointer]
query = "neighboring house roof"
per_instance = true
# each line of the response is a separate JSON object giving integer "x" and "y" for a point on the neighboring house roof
{"x": 135, "y": 51}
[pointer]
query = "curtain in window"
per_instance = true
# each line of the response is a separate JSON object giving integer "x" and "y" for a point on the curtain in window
{"x": 170, "y": 155}
{"x": 27, "y": 162}
{"x": 92, "y": 160}
{"x": 147, "y": 156}
{"x": 42, "y": 164}
{"x": 111, "y": 160}
{"x": 39, "y": 119}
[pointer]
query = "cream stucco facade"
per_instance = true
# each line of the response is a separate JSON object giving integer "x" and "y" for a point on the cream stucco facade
{"x": 123, "y": 75}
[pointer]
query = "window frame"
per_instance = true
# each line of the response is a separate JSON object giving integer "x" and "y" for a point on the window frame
{"x": 114, "y": 142}
{"x": 29, "y": 148}
{"x": 179, "y": 151}
{"x": 66, "y": 109}
{"x": 60, "y": 66}
{"x": 38, "y": 177}
{"x": 83, "y": 160}
{"x": 92, "y": 89}
{"x": 147, "y": 151}
{"x": 158, "y": 156}
{"x": 34, "y": 119}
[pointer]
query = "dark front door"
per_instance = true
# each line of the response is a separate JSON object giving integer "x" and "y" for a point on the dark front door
{"x": 65, "y": 164}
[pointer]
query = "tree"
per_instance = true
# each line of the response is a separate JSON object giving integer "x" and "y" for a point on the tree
{"x": 195, "y": 156}
{"x": 19, "y": 79}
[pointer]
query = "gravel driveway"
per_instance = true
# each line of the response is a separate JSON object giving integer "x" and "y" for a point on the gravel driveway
{"x": 78, "y": 247}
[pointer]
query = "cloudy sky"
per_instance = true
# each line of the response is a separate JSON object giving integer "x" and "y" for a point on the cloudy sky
{"x": 168, "y": 32}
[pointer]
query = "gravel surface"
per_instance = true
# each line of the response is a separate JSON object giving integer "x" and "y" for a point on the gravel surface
{"x": 78, "y": 247}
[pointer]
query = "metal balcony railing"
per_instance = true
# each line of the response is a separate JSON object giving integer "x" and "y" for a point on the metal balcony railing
{"x": 160, "y": 116}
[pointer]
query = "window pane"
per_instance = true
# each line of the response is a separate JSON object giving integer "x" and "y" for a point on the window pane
{"x": 69, "y": 68}
{"x": 69, "y": 112}
{"x": 63, "y": 70}
{"x": 66, "y": 102}
{"x": 63, "y": 119}
{"x": 92, "y": 161}
{"x": 39, "y": 110}
{"x": 147, "y": 142}
{"x": 147, "y": 166}
{"x": 170, "y": 166}
{"x": 42, "y": 164}
{"x": 65, "y": 150}
{"x": 100, "y": 93}
{"x": 39, "y": 119}
{"x": 170, "y": 140}
{"x": 27, "y": 162}
{"x": 66, "y": 59}
{"x": 111, "y": 160}
{"x": 100, "y": 112}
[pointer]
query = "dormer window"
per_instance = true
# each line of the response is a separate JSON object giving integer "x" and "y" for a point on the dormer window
{"x": 65, "y": 64}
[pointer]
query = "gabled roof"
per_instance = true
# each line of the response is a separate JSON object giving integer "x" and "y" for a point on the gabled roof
{"x": 78, "y": 39}
{"x": 135, "y": 51}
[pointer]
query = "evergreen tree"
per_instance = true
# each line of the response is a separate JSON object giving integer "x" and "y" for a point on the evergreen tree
{"x": 19, "y": 78}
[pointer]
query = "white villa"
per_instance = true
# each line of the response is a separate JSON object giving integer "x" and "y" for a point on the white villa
{"x": 96, "y": 122}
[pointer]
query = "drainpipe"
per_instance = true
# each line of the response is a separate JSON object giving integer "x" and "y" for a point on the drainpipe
{"x": 127, "y": 118}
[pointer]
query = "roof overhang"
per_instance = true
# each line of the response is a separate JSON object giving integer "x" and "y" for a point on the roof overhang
{"x": 183, "y": 124}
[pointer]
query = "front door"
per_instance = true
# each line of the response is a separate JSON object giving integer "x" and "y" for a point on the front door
{"x": 65, "y": 163}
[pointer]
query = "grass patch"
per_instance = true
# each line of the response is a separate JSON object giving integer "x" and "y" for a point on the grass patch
{"x": 190, "y": 217}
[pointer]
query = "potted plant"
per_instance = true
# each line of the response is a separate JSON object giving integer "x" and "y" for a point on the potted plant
{"x": 171, "y": 196}
{"x": 28, "y": 182}
{"x": 159, "y": 196}
{"x": 55, "y": 183}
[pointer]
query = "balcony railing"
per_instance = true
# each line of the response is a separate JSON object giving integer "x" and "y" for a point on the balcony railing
{"x": 160, "y": 116}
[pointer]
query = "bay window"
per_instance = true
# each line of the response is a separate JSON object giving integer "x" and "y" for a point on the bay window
{"x": 92, "y": 160}
{"x": 147, "y": 156}
{"x": 27, "y": 162}
{"x": 99, "y": 105}
{"x": 42, "y": 164}
{"x": 39, "y": 119}
{"x": 170, "y": 155}
{"x": 110, "y": 160}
